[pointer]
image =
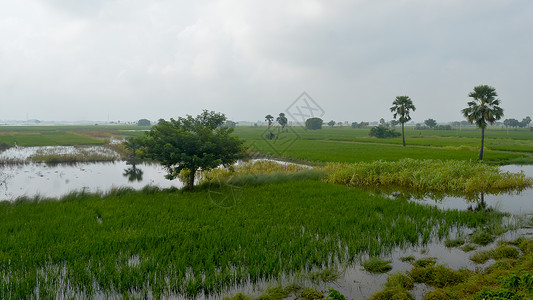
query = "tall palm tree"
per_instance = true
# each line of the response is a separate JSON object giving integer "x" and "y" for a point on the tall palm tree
{"x": 485, "y": 108}
{"x": 402, "y": 105}
{"x": 269, "y": 119}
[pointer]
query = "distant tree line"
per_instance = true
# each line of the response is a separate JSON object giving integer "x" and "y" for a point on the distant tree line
{"x": 515, "y": 123}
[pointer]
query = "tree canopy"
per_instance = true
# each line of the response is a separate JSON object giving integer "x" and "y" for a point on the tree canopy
{"x": 144, "y": 122}
{"x": 192, "y": 144}
{"x": 282, "y": 120}
{"x": 430, "y": 123}
{"x": 314, "y": 123}
{"x": 483, "y": 110}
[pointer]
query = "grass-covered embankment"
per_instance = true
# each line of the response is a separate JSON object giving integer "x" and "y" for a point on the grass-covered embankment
{"x": 185, "y": 243}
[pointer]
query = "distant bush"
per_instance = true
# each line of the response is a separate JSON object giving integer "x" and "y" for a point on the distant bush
{"x": 382, "y": 132}
{"x": 313, "y": 123}
{"x": 144, "y": 122}
{"x": 438, "y": 127}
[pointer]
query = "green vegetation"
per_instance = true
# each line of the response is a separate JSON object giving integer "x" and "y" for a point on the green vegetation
{"x": 483, "y": 110}
{"x": 377, "y": 265}
{"x": 190, "y": 144}
{"x": 354, "y": 145}
{"x": 509, "y": 278}
{"x": 169, "y": 243}
{"x": 401, "y": 107}
{"x": 68, "y": 135}
{"x": 426, "y": 176}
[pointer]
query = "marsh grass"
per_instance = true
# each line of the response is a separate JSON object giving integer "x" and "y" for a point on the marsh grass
{"x": 169, "y": 242}
{"x": 377, "y": 265}
{"x": 509, "y": 278}
{"x": 74, "y": 155}
{"x": 427, "y": 176}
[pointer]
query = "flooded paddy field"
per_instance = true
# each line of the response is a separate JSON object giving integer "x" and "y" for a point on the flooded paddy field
{"x": 49, "y": 180}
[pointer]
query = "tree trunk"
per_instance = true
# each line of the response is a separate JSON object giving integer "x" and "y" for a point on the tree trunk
{"x": 403, "y": 135}
{"x": 190, "y": 185}
{"x": 482, "y": 143}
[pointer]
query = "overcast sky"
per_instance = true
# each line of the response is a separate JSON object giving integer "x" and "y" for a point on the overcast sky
{"x": 126, "y": 60}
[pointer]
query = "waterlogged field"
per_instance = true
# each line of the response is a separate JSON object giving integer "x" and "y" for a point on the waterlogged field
{"x": 65, "y": 135}
{"x": 173, "y": 243}
{"x": 266, "y": 222}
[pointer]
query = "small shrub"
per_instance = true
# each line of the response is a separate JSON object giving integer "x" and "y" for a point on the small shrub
{"x": 382, "y": 132}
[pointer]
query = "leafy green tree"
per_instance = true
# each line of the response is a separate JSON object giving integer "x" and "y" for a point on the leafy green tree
{"x": 191, "y": 144}
{"x": 430, "y": 123}
{"x": 269, "y": 119}
{"x": 483, "y": 110}
{"x": 313, "y": 123}
{"x": 331, "y": 123}
{"x": 282, "y": 120}
{"x": 402, "y": 105}
{"x": 144, "y": 122}
{"x": 525, "y": 122}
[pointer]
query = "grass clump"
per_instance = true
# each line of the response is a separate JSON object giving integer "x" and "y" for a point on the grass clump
{"x": 468, "y": 248}
{"x": 409, "y": 258}
{"x": 326, "y": 275}
{"x": 482, "y": 237}
{"x": 438, "y": 275}
{"x": 427, "y": 176}
{"x": 452, "y": 243}
{"x": 377, "y": 265}
{"x": 481, "y": 257}
{"x": 311, "y": 294}
{"x": 501, "y": 252}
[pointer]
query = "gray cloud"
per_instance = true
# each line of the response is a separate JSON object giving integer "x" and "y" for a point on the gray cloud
{"x": 71, "y": 60}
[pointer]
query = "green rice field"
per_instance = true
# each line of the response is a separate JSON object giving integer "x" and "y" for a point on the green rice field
{"x": 175, "y": 243}
{"x": 255, "y": 223}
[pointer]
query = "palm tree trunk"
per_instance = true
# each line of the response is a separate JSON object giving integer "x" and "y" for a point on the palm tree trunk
{"x": 403, "y": 135}
{"x": 482, "y": 143}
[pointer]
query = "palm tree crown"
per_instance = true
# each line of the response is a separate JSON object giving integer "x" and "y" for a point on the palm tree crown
{"x": 485, "y": 107}
{"x": 402, "y": 105}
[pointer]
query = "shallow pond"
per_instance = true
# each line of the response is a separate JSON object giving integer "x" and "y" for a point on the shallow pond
{"x": 57, "y": 180}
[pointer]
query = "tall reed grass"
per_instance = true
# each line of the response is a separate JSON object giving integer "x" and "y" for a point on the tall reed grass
{"x": 427, "y": 175}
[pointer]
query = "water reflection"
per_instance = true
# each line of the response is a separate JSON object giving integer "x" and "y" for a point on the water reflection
{"x": 55, "y": 180}
{"x": 517, "y": 201}
{"x": 133, "y": 173}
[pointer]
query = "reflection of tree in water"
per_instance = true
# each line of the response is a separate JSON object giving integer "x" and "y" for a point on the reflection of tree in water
{"x": 4, "y": 177}
{"x": 481, "y": 205}
{"x": 133, "y": 173}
